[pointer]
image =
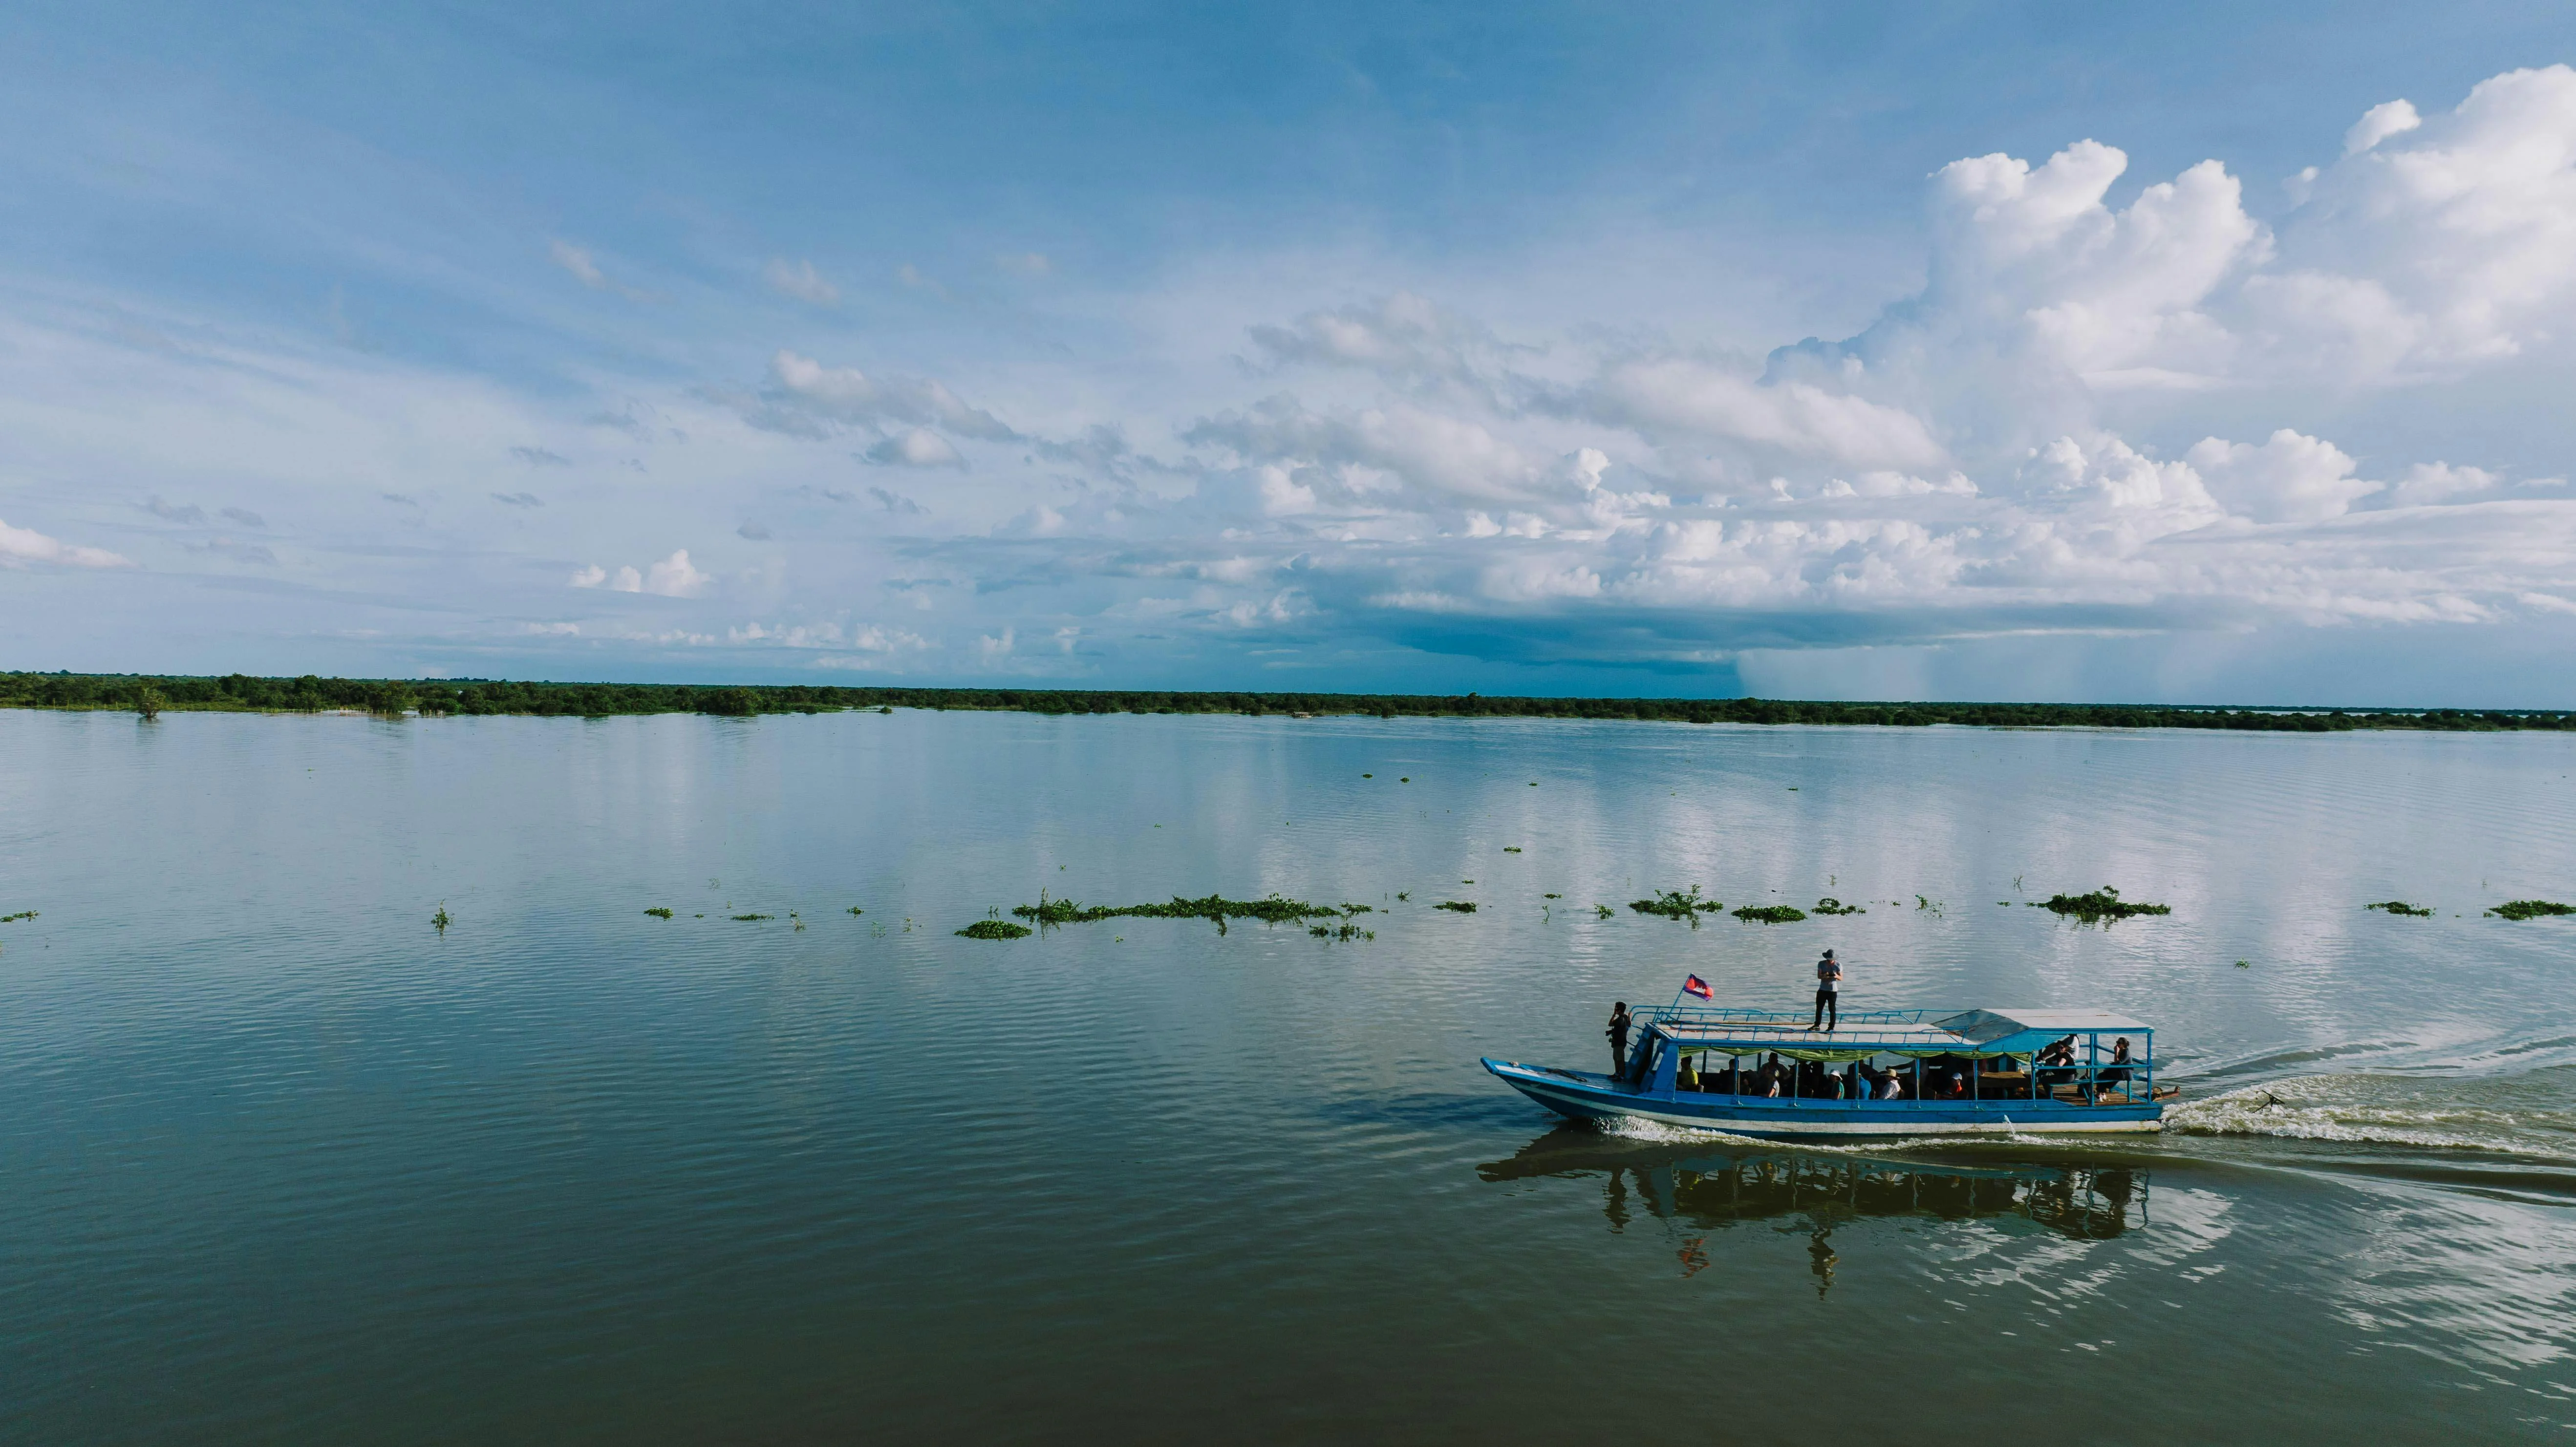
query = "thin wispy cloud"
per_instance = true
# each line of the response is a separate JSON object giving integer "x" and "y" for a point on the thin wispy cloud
{"x": 799, "y": 279}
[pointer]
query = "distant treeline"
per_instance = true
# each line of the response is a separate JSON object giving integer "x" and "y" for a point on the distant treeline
{"x": 431, "y": 697}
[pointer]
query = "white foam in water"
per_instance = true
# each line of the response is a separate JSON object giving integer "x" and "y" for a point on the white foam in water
{"x": 1656, "y": 1132}
{"x": 2377, "y": 1110}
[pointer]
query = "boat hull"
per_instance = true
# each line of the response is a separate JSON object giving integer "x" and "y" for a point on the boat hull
{"x": 1594, "y": 1097}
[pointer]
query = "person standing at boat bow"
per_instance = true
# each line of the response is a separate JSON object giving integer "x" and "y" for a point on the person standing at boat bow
{"x": 1618, "y": 1033}
{"x": 1829, "y": 976}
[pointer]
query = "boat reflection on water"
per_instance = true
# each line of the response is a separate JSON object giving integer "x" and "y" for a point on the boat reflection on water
{"x": 1712, "y": 1186}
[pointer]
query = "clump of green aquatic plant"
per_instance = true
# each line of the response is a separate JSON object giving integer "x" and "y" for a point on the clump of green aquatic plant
{"x": 14, "y": 918}
{"x": 2102, "y": 904}
{"x": 754, "y": 916}
{"x": 1404, "y": 894}
{"x": 854, "y": 909}
{"x": 1934, "y": 905}
{"x": 659, "y": 913}
{"x": 1461, "y": 906}
{"x": 440, "y": 921}
{"x": 1350, "y": 908}
{"x": 2530, "y": 909}
{"x": 1345, "y": 932}
{"x": 1831, "y": 905}
{"x": 1677, "y": 904}
{"x": 1770, "y": 914}
{"x": 2399, "y": 906}
{"x": 1511, "y": 849}
{"x": 1601, "y": 910}
{"x": 1552, "y": 896}
{"x": 1368, "y": 776}
{"x": 1272, "y": 909}
{"x": 147, "y": 702}
{"x": 995, "y": 929}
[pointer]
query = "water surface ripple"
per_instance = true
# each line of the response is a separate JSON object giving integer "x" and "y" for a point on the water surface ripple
{"x": 282, "y": 1162}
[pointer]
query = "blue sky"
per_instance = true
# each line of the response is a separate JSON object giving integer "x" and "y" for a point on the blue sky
{"x": 2211, "y": 353}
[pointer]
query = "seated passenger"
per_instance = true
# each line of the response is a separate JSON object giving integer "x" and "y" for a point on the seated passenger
{"x": 2117, "y": 1072}
{"x": 1685, "y": 1078}
{"x": 2059, "y": 1058}
{"x": 1891, "y": 1085}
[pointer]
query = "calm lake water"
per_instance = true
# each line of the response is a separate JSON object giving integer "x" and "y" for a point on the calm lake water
{"x": 280, "y": 1162}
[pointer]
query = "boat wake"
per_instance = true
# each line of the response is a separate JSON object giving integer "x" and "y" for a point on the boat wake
{"x": 2533, "y": 1114}
{"x": 1656, "y": 1132}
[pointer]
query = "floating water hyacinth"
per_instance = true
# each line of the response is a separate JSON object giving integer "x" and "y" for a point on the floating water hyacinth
{"x": 1460, "y": 906}
{"x": 1677, "y": 904}
{"x": 1831, "y": 905}
{"x": 1343, "y": 933}
{"x": 1770, "y": 914}
{"x": 14, "y": 918}
{"x": 2530, "y": 909}
{"x": 995, "y": 929}
{"x": 440, "y": 921}
{"x": 1273, "y": 909}
{"x": 753, "y": 916}
{"x": 2102, "y": 904}
{"x": 2399, "y": 906}
{"x": 659, "y": 913}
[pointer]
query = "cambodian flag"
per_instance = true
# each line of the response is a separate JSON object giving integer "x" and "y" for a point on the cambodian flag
{"x": 1697, "y": 986}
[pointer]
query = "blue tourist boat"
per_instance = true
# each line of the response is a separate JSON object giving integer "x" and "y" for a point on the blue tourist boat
{"x": 1879, "y": 1073}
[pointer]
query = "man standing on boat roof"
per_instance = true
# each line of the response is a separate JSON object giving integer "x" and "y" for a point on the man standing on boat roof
{"x": 1829, "y": 975}
{"x": 1618, "y": 1033}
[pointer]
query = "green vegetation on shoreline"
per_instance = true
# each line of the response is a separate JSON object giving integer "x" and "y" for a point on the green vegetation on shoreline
{"x": 430, "y": 697}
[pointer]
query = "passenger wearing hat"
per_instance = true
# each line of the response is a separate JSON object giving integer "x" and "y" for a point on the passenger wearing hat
{"x": 1828, "y": 976}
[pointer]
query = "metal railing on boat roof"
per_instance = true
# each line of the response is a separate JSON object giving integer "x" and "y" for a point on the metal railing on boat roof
{"x": 1745, "y": 1015}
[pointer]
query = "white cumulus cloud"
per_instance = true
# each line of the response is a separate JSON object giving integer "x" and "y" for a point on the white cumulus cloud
{"x": 672, "y": 577}
{"x": 20, "y": 546}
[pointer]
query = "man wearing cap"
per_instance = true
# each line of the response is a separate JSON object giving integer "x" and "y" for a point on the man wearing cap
{"x": 1828, "y": 976}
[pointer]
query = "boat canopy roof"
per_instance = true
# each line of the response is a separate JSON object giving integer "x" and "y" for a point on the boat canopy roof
{"x": 1862, "y": 1034}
